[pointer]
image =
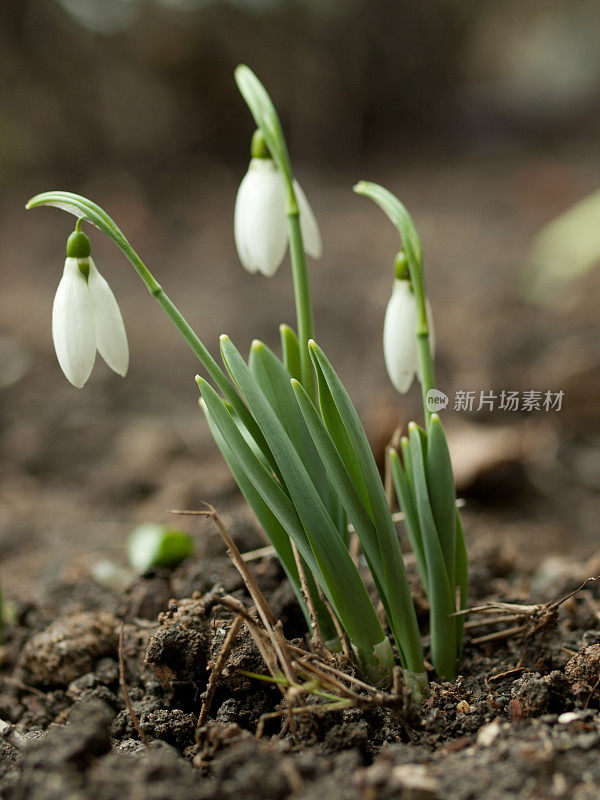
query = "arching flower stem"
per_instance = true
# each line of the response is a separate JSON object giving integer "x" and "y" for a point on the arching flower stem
{"x": 267, "y": 119}
{"x": 85, "y": 209}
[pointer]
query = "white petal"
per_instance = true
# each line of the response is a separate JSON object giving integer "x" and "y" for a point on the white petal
{"x": 111, "y": 339}
{"x": 73, "y": 325}
{"x": 260, "y": 225}
{"x": 399, "y": 336}
{"x": 239, "y": 217}
{"x": 311, "y": 235}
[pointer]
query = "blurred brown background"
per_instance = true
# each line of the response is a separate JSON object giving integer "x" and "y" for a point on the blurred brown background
{"x": 483, "y": 117}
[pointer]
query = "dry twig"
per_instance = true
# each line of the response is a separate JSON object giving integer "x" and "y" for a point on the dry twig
{"x": 528, "y": 619}
{"x": 125, "y": 690}
{"x": 218, "y": 669}
{"x": 286, "y": 662}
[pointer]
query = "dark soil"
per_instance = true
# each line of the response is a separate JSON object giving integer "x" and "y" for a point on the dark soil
{"x": 521, "y": 720}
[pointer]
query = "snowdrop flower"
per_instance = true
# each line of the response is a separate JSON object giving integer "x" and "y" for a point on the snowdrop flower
{"x": 260, "y": 225}
{"x": 86, "y": 317}
{"x": 400, "y": 348}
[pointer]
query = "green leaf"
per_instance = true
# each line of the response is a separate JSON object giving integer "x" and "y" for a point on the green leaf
{"x": 407, "y": 503}
{"x": 250, "y": 440}
{"x": 462, "y": 579}
{"x": 403, "y": 620}
{"x": 290, "y": 351}
{"x": 342, "y": 483}
{"x": 342, "y": 582}
{"x": 269, "y": 488}
{"x": 150, "y": 545}
{"x": 406, "y": 459}
{"x": 443, "y": 629}
{"x": 274, "y": 381}
{"x": 442, "y": 493}
{"x": 276, "y": 533}
{"x": 337, "y": 431}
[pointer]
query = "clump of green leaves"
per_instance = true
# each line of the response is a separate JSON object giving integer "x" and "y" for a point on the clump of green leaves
{"x": 296, "y": 447}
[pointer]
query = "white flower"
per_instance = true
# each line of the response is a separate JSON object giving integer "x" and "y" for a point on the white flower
{"x": 260, "y": 225}
{"x": 400, "y": 348}
{"x": 86, "y": 318}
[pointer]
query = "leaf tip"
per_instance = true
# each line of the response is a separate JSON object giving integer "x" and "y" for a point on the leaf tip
{"x": 202, "y": 383}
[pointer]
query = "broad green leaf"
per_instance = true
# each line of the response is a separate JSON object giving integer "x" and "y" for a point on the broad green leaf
{"x": 337, "y": 512}
{"x": 408, "y": 506}
{"x": 249, "y": 439}
{"x": 276, "y": 533}
{"x": 403, "y": 620}
{"x": 269, "y": 488}
{"x": 343, "y": 583}
{"x": 342, "y": 483}
{"x": 337, "y": 431}
{"x": 290, "y": 352}
{"x": 442, "y": 493}
{"x": 442, "y": 627}
{"x": 274, "y": 381}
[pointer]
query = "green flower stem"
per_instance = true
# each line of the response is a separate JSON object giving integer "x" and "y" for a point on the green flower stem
{"x": 266, "y": 118}
{"x": 426, "y": 370}
{"x": 304, "y": 314}
{"x": 411, "y": 245}
{"x": 86, "y": 210}
{"x": 177, "y": 318}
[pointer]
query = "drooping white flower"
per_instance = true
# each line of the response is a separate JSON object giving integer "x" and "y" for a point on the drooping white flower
{"x": 86, "y": 319}
{"x": 260, "y": 225}
{"x": 400, "y": 348}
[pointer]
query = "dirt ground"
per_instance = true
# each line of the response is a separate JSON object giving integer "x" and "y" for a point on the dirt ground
{"x": 79, "y": 468}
